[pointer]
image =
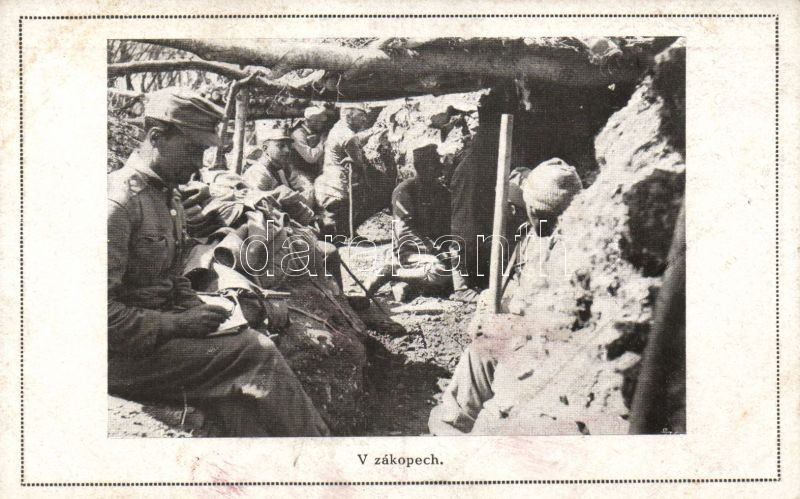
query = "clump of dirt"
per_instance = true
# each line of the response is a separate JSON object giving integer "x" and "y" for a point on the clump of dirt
{"x": 377, "y": 228}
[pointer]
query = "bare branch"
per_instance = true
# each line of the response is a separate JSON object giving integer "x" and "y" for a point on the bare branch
{"x": 126, "y": 68}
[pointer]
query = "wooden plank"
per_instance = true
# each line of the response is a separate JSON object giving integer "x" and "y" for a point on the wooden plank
{"x": 500, "y": 208}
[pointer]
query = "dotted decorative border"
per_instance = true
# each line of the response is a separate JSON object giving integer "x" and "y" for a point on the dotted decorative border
{"x": 23, "y": 483}
{"x": 390, "y": 16}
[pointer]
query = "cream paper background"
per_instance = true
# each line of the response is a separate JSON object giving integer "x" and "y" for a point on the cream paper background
{"x": 731, "y": 318}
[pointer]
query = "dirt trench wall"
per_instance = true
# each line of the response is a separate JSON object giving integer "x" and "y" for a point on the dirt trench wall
{"x": 570, "y": 361}
{"x": 449, "y": 122}
{"x": 328, "y": 358}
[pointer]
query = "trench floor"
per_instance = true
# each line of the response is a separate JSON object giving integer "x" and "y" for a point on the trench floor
{"x": 411, "y": 353}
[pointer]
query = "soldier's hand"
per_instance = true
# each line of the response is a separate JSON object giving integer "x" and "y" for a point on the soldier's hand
{"x": 285, "y": 196}
{"x": 194, "y": 193}
{"x": 201, "y": 320}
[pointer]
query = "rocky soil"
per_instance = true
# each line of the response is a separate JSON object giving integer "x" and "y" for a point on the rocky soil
{"x": 448, "y": 122}
{"x": 411, "y": 352}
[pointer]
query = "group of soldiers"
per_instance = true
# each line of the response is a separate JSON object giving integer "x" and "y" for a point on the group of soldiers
{"x": 159, "y": 343}
{"x": 316, "y": 169}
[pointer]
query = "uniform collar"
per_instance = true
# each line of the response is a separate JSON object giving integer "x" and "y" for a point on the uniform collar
{"x": 271, "y": 164}
{"x": 137, "y": 163}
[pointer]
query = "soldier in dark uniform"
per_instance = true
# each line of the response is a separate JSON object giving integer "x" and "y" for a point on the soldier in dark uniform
{"x": 420, "y": 230}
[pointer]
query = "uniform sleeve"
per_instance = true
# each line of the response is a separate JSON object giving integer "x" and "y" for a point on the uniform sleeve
{"x": 353, "y": 149}
{"x": 303, "y": 186}
{"x": 185, "y": 296}
{"x": 256, "y": 178}
{"x": 130, "y": 329}
{"x": 309, "y": 154}
{"x": 403, "y": 205}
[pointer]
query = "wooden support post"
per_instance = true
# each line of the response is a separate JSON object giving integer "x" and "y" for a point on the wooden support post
{"x": 230, "y": 103}
{"x": 350, "y": 201}
{"x": 500, "y": 208}
{"x": 222, "y": 134}
{"x": 238, "y": 131}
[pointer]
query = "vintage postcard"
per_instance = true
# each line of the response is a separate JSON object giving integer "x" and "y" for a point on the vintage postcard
{"x": 378, "y": 249}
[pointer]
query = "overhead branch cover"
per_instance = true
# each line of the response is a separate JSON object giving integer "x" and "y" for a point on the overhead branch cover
{"x": 484, "y": 57}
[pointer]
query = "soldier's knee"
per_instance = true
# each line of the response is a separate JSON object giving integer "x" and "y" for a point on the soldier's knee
{"x": 256, "y": 346}
{"x": 328, "y": 250}
{"x": 437, "y": 277}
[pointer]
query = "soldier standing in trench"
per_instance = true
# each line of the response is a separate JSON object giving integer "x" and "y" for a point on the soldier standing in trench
{"x": 343, "y": 157}
{"x": 344, "y": 167}
{"x": 158, "y": 343}
{"x": 472, "y": 187}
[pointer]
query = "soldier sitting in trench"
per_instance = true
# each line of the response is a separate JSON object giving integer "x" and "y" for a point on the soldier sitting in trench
{"x": 309, "y": 138}
{"x": 274, "y": 173}
{"x": 420, "y": 215}
{"x": 423, "y": 252}
{"x": 547, "y": 191}
{"x": 160, "y": 346}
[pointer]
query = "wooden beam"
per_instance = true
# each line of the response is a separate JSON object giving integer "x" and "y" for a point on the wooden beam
{"x": 319, "y": 86}
{"x": 559, "y": 66}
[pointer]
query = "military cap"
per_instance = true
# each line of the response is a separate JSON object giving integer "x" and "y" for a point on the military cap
{"x": 314, "y": 111}
{"x": 550, "y": 187}
{"x": 515, "y": 181}
{"x": 276, "y": 134}
{"x": 357, "y": 106}
{"x": 195, "y": 116}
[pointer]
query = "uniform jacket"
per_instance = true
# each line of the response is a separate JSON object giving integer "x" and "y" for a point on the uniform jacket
{"x": 309, "y": 149}
{"x": 267, "y": 176}
{"x": 145, "y": 244}
{"x": 417, "y": 222}
{"x": 342, "y": 144}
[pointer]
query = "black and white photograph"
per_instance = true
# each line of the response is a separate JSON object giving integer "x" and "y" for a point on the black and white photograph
{"x": 396, "y": 236}
{"x": 376, "y": 249}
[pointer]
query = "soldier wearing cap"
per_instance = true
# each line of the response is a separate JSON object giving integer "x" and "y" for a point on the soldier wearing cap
{"x": 294, "y": 192}
{"x": 343, "y": 157}
{"x": 274, "y": 173}
{"x": 158, "y": 343}
{"x": 420, "y": 224}
{"x": 309, "y": 142}
{"x": 547, "y": 191}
